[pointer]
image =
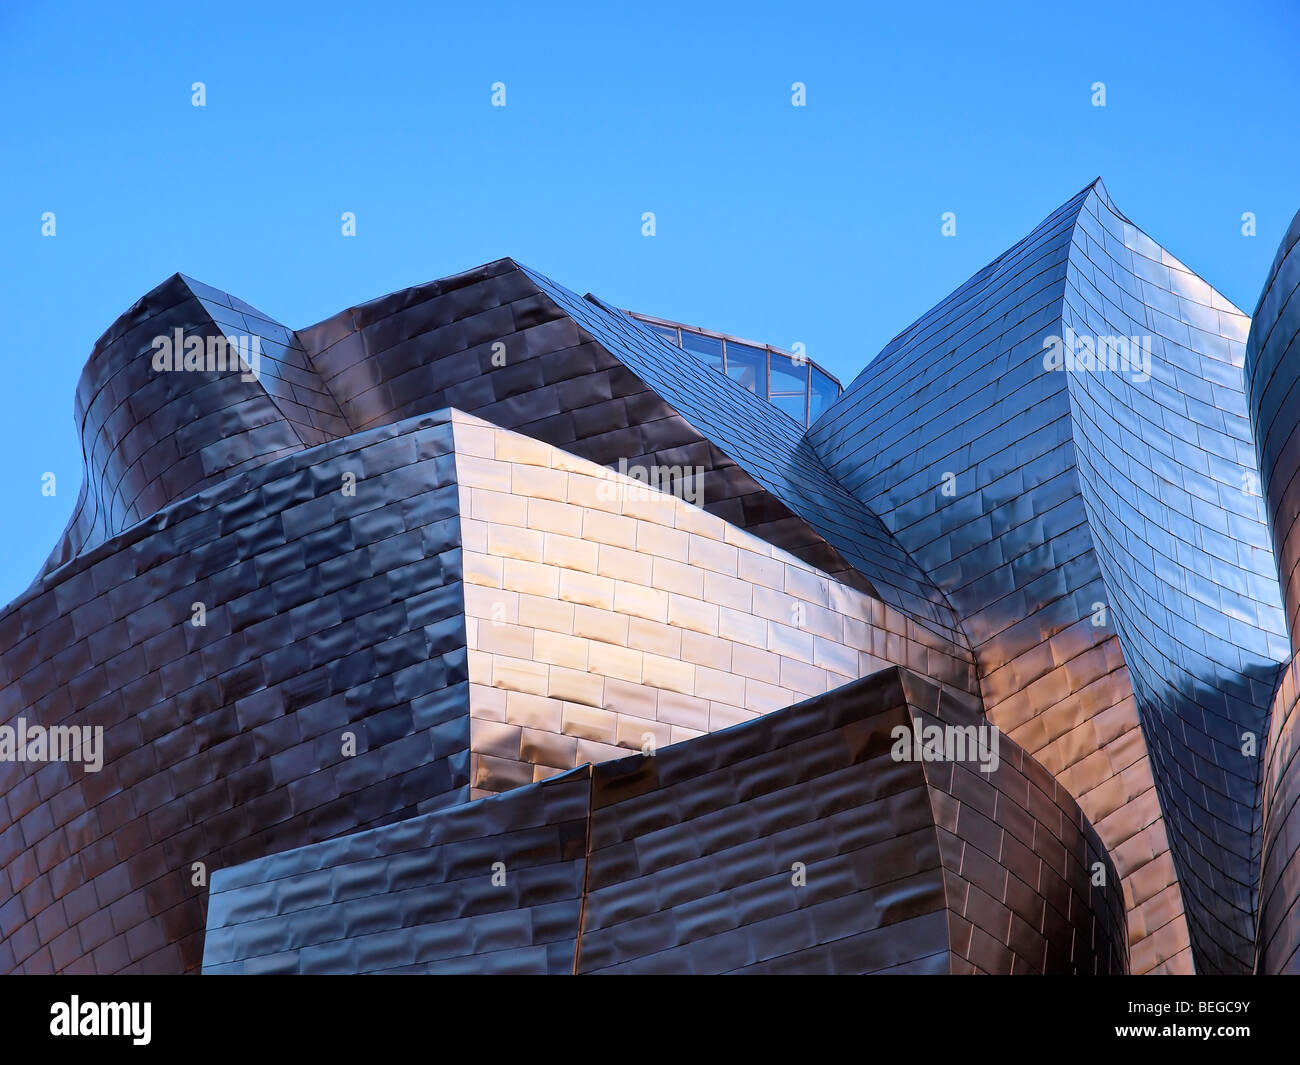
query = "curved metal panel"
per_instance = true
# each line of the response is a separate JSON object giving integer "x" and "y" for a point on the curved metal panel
{"x": 1273, "y": 381}
{"x": 795, "y": 843}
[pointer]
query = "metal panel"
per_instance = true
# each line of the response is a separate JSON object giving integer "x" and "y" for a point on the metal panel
{"x": 796, "y": 843}
{"x": 1091, "y": 530}
{"x": 1272, "y": 367}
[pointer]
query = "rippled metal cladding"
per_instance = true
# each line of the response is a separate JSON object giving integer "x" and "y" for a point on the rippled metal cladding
{"x": 489, "y": 628}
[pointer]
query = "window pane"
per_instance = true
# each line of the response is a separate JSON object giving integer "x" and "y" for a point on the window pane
{"x": 665, "y": 331}
{"x": 707, "y": 348}
{"x": 793, "y": 405}
{"x": 788, "y": 376}
{"x": 748, "y": 366}
{"x": 824, "y": 393}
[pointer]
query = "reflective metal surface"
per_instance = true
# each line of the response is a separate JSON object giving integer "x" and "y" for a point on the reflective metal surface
{"x": 791, "y": 844}
{"x": 325, "y": 615}
{"x": 1096, "y": 539}
{"x": 590, "y": 380}
{"x": 434, "y": 597}
{"x": 598, "y": 616}
{"x": 1273, "y": 381}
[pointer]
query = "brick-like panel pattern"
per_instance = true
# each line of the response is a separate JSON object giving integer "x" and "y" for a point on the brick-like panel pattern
{"x": 1278, "y": 949}
{"x": 1273, "y": 381}
{"x": 1272, "y": 369}
{"x": 509, "y": 345}
{"x": 150, "y": 438}
{"x": 286, "y": 372}
{"x": 693, "y": 852}
{"x": 774, "y": 451}
{"x": 326, "y": 613}
{"x": 691, "y": 866}
{"x": 1168, "y": 478}
{"x": 601, "y": 615}
{"x": 711, "y": 889}
{"x": 490, "y": 887}
{"x": 1066, "y": 493}
{"x": 497, "y": 341}
{"x": 963, "y": 392}
{"x": 1023, "y": 867}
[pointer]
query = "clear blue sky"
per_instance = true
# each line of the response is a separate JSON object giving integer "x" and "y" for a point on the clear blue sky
{"x": 818, "y": 224}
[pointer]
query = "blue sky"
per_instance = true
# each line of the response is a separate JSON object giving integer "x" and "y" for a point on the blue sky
{"x": 818, "y": 224}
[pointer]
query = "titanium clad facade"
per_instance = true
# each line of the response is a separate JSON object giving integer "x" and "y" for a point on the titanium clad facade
{"x": 1168, "y": 478}
{"x": 483, "y": 628}
{"x": 1091, "y": 527}
{"x": 687, "y": 861}
{"x": 594, "y": 382}
{"x": 602, "y": 616}
{"x": 1273, "y": 376}
{"x": 1272, "y": 366}
{"x": 325, "y": 615}
{"x": 411, "y": 899}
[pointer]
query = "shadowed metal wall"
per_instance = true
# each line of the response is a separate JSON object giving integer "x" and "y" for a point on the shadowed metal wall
{"x": 328, "y": 611}
{"x": 1278, "y": 944}
{"x": 1021, "y": 860}
{"x": 492, "y": 886}
{"x": 150, "y": 438}
{"x": 326, "y": 614}
{"x": 1273, "y": 377}
{"x": 1272, "y": 366}
{"x": 690, "y": 865}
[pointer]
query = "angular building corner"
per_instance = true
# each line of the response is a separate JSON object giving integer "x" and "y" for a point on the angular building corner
{"x": 484, "y": 627}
